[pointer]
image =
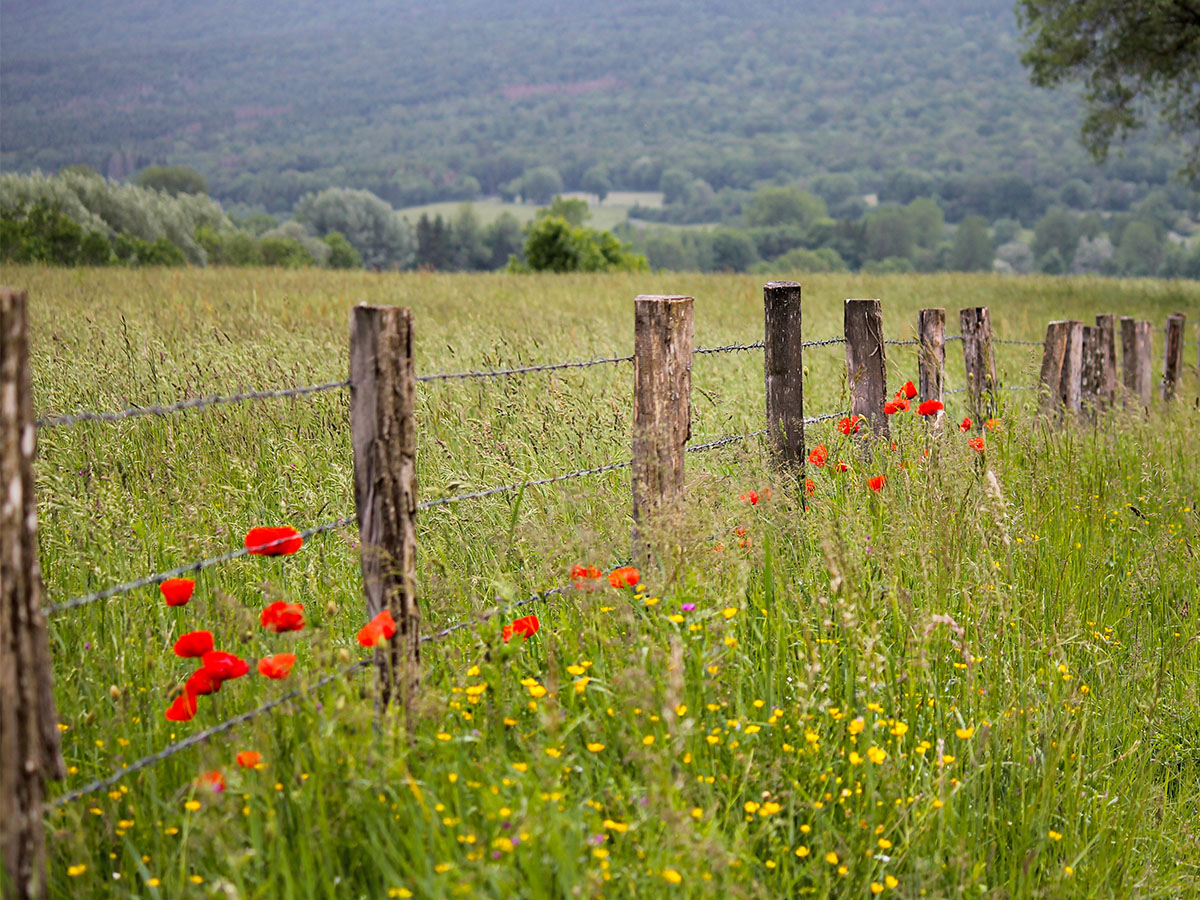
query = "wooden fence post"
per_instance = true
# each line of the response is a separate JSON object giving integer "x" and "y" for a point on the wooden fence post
{"x": 662, "y": 408}
{"x": 385, "y": 488}
{"x": 1054, "y": 352}
{"x": 29, "y": 746}
{"x": 783, "y": 345}
{"x": 1172, "y": 354}
{"x": 1107, "y": 388}
{"x": 1090, "y": 371}
{"x": 1137, "y": 370}
{"x": 866, "y": 363}
{"x": 1072, "y": 367}
{"x": 931, "y": 358}
{"x": 981, "y": 363}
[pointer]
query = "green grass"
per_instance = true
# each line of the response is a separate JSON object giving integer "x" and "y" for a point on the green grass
{"x": 605, "y": 216}
{"x": 1039, "y": 628}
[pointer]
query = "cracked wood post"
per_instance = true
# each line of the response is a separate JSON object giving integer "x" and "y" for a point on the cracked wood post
{"x": 662, "y": 397}
{"x": 1053, "y": 358}
{"x": 1136, "y": 367}
{"x": 1172, "y": 354}
{"x": 784, "y": 369}
{"x": 976, "y": 326}
{"x": 1107, "y": 387}
{"x": 866, "y": 364}
{"x": 1072, "y": 367}
{"x": 931, "y": 359}
{"x": 29, "y": 745}
{"x": 385, "y": 488}
{"x": 1090, "y": 371}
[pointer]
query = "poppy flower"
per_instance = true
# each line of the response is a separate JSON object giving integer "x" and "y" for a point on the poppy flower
{"x": 842, "y": 466}
{"x": 849, "y": 425}
{"x": 976, "y": 444}
{"x": 909, "y": 391}
{"x": 818, "y": 456}
{"x": 992, "y": 424}
{"x": 248, "y": 759}
{"x": 876, "y": 484}
{"x": 202, "y": 682}
{"x": 626, "y": 576}
{"x": 281, "y": 541}
{"x": 277, "y": 666}
{"x": 280, "y": 616}
{"x": 224, "y": 666}
{"x": 182, "y": 709}
{"x": 750, "y": 497}
{"x": 194, "y": 643}
{"x": 810, "y": 486}
{"x": 930, "y": 407}
{"x": 527, "y": 626}
{"x": 177, "y": 591}
{"x": 895, "y": 406}
{"x": 213, "y": 780}
{"x": 380, "y": 628}
{"x": 966, "y": 424}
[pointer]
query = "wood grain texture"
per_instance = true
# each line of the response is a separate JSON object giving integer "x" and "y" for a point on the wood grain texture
{"x": 784, "y": 371}
{"x": 29, "y": 741}
{"x": 1172, "y": 354}
{"x": 1091, "y": 371}
{"x": 1054, "y": 351}
{"x": 383, "y": 432}
{"x": 1072, "y": 369}
{"x": 976, "y": 323}
{"x": 1106, "y": 389}
{"x": 1137, "y": 372}
{"x": 866, "y": 363}
{"x": 931, "y": 359}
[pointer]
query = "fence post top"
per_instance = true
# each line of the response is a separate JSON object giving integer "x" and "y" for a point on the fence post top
{"x": 662, "y": 298}
{"x": 863, "y": 300}
{"x": 775, "y": 285}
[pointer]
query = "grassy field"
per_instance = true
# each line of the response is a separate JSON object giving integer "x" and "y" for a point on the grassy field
{"x": 605, "y": 216}
{"x": 977, "y": 682}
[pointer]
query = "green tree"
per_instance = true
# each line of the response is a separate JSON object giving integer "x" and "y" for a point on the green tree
{"x": 973, "y": 249}
{"x": 732, "y": 250}
{"x": 1058, "y": 230}
{"x": 927, "y": 220}
{"x": 175, "y": 180}
{"x": 596, "y": 181}
{"x": 1140, "y": 252}
{"x": 552, "y": 244}
{"x": 890, "y": 233}
{"x": 539, "y": 185}
{"x": 502, "y": 238}
{"x": 674, "y": 185}
{"x": 572, "y": 209}
{"x": 372, "y": 227}
{"x": 789, "y": 205}
{"x": 341, "y": 254}
{"x": 1138, "y": 60}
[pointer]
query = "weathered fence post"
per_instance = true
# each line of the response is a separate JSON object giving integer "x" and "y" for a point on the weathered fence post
{"x": 29, "y": 747}
{"x": 1054, "y": 352}
{"x": 931, "y": 358}
{"x": 783, "y": 346}
{"x": 1072, "y": 367}
{"x": 662, "y": 408}
{"x": 1107, "y": 337}
{"x": 385, "y": 488}
{"x": 1091, "y": 370}
{"x": 1172, "y": 354}
{"x": 1137, "y": 374}
{"x": 981, "y": 363}
{"x": 866, "y": 364}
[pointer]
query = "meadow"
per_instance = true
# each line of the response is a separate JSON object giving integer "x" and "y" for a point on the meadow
{"x": 979, "y": 681}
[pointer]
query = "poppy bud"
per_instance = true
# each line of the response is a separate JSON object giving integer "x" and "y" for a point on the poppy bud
{"x": 114, "y": 692}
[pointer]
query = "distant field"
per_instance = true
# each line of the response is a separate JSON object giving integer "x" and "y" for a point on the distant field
{"x": 964, "y": 685}
{"x": 606, "y": 216}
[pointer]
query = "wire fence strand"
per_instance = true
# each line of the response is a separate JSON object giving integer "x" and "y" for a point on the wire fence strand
{"x": 134, "y": 412}
{"x": 522, "y": 370}
{"x": 196, "y": 566}
{"x": 729, "y": 348}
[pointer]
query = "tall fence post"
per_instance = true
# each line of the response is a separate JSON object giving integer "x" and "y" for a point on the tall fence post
{"x": 783, "y": 345}
{"x": 1054, "y": 352}
{"x": 1172, "y": 354}
{"x": 385, "y": 488}
{"x": 1137, "y": 368}
{"x": 29, "y": 746}
{"x": 662, "y": 408}
{"x": 1072, "y": 368}
{"x": 976, "y": 325}
{"x": 1091, "y": 371}
{"x": 866, "y": 363}
{"x": 931, "y": 358}
{"x": 1107, "y": 388}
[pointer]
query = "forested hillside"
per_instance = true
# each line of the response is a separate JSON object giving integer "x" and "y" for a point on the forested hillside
{"x": 417, "y": 102}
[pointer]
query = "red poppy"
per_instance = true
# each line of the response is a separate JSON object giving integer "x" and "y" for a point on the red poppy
{"x": 527, "y": 626}
{"x": 992, "y": 424}
{"x": 273, "y": 541}
{"x": 626, "y": 576}
{"x": 213, "y": 780}
{"x": 849, "y": 424}
{"x": 177, "y": 591}
{"x": 224, "y": 666}
{"x": 895, "y": 406}
{"x": 908, "y": 390}
{"x": 280, "y": 616}
{"x": 966, "y": 424}
{"x": 750, "y": 497}
{"x": 976, "y": 444}
{"x": 194, "y": 643}
{"x": 930, "y": 407}
{"x": 583, "y": 574}
{"x": 876, "y": 484}
{"x": 810, "y": 486}
{"x": 277, "y": 666}
{"x": 380, "y": 628}
{"x": 248, "y": 759}
{"x": 182, "y": 709}
{"x": 842, "y": 467}
{"x": 818, "y": 456}
{"x": 202, "y": 682}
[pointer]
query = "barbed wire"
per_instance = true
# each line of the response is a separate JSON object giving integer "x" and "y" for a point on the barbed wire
{"x": 196, "y": 566}
{"x": 813, "y": 420}
{"x": 521, "y": 370}
{"x": 730, "y": 348}
{"x": 908, "y": 342}
{"x": 507, "y": 488}
{"x": 134, "y": 412}
{"x": 997, "y": 340}
{"x": 721, "y": 442}
{"x": 827, "y": 342}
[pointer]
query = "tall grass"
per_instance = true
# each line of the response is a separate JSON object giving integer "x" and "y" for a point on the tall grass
{"x": 977, "y": 682}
